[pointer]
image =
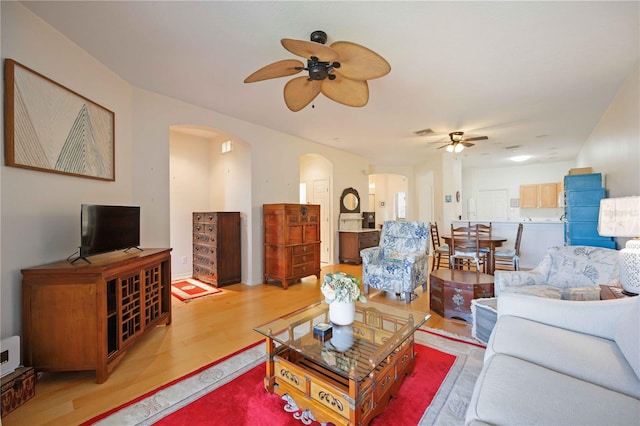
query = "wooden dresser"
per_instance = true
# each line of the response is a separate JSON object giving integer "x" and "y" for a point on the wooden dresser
{"x": 84, "y": 316}
{"x": 351, "y": 242}
{"x": 291, "y": 242}
{"x": 216, "y": 247}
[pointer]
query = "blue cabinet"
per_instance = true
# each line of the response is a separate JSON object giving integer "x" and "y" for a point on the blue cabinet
{"x": 582, "y": 205}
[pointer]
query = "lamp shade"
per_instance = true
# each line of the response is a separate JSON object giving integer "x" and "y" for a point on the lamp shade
{"x": 619, "y": 217}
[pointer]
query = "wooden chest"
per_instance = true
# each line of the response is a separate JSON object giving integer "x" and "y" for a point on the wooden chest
{"x": 351, "y": 242}
{"x": 291, "y": 242}
{"x": 451, "y": 292}
{"x": 17, "y": 388}
{"x": 216, "y": 247}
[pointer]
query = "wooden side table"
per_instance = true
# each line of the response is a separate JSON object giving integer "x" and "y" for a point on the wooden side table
{"x": 611, "y": 292}
{"x": 452, "y": 290}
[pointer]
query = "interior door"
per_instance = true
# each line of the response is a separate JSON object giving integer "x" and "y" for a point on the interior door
{"x": 492, "y": 204}
{"x": 321, "y": 197}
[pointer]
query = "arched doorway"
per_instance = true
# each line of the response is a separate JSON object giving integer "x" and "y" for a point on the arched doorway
{"x": 210, "y": 170}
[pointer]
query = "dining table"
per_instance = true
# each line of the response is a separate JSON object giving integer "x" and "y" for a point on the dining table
{"x": 485, "y": 242}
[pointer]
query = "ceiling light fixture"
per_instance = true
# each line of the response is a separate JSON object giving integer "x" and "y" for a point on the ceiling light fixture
{"x": 520, "y": 158}
{"x": 455, "y": 147}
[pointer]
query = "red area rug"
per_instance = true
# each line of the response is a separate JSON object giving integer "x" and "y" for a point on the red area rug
{"x": 244, "y": 401}
{"x": 192, "y": 289}
{"x": 231, "y": 391}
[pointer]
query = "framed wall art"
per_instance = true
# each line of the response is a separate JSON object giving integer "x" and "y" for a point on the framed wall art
{"x": 51, "y": 128}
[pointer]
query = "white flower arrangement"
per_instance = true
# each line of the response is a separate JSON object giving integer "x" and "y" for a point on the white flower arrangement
{"x": 341, "y": 287}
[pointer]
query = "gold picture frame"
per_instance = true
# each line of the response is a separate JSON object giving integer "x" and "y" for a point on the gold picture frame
{"x": 51, "y": 128}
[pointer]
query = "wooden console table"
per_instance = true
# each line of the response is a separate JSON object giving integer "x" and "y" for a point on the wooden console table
{"x": 451, "y": 292}
{"x": 611, "y": 292}
{"x": 84, "y": 316}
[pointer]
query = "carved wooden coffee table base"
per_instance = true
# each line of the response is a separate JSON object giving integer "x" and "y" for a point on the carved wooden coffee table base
{"x": 332, "y": 398}
{"x": 347, "y": 375}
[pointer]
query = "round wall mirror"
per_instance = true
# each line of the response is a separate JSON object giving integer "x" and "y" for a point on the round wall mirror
{"x": 350, "y": 201}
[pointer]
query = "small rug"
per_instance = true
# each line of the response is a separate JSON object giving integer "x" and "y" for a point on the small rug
{"x": 231, "y": 391}
{"x": 190, "y": 289}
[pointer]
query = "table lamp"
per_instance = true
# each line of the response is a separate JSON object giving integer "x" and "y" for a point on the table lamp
{"x": 620, "y": 217}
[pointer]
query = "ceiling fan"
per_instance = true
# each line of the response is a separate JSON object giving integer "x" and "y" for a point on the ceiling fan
{"x": 340, "y": 72}
{"x": 457, "y": 142}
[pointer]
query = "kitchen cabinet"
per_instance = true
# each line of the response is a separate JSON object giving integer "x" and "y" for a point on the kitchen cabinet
{"x": 543, "y": 195}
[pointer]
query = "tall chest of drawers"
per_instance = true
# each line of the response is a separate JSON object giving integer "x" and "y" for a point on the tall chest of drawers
{"x": 583, "y": 194}
{"x": 216, "y": 247}
{"x": 291, "y": 242}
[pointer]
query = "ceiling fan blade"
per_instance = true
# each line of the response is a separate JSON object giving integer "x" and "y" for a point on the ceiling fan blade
{"x": 467, "y": 144}
{"x": 299, "y": 92}
{"x": 359, "y": 63}
{"x": 346, "y": 91}
{"x": 479, "y": 138}
{"x": 443, "y": 146}
{"x": 441, "y": 140}
{"x": 307, "y": 49}
{"x": 275, "y": 70}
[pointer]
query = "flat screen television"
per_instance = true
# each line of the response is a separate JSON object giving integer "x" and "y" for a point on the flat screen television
{"x": 108, "y": 228}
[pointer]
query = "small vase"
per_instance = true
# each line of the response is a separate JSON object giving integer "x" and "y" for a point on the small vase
{"x": 342, "y": 313}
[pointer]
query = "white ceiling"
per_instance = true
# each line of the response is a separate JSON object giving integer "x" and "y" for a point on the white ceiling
{"x": 535, "y": 74}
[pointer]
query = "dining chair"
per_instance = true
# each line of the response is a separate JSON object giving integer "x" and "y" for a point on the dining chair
{"x": 440, "y": 251}
{"x": 465, "y": 249}
{"x": 509, "y": 257}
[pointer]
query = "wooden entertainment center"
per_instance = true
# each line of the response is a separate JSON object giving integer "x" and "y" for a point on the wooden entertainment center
{"x": 84, "y": 316}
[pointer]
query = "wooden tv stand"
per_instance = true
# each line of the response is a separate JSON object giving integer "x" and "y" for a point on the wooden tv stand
{"x": 84, "y": 316}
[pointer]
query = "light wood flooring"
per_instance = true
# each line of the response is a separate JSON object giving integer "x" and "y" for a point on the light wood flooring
{"x": 202, "y": 331}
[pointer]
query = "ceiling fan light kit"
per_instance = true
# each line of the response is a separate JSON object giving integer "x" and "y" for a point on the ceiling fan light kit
{"x": 457, "y": 142}
{"x": 340, "y": 72}
{"x": 455, "y": 147}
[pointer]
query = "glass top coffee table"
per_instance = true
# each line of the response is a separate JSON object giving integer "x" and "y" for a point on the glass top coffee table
{"x": 345, "y": 375}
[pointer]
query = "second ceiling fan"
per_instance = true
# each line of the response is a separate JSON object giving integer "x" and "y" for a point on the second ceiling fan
{"x": 457, "y": 142}
{"x": 340, "y": 72}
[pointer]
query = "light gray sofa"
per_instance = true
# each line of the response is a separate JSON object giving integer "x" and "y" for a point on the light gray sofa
{"x": 568, "y": 272}
{"x": 560, "y": 362}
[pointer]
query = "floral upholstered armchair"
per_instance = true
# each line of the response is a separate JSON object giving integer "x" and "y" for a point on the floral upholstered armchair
{"x": 399, "y": 263}
{"x": 570, "y": 272}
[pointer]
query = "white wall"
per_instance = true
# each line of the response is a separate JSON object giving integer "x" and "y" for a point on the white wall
{"x": 386, "y": 186}
{"x": 613, "y": 147}
{"x": 274, "y": 171}
{"x": 190, "y": 169}
{"x": 41, "y": 211}
{"x": 510, "y": 179}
